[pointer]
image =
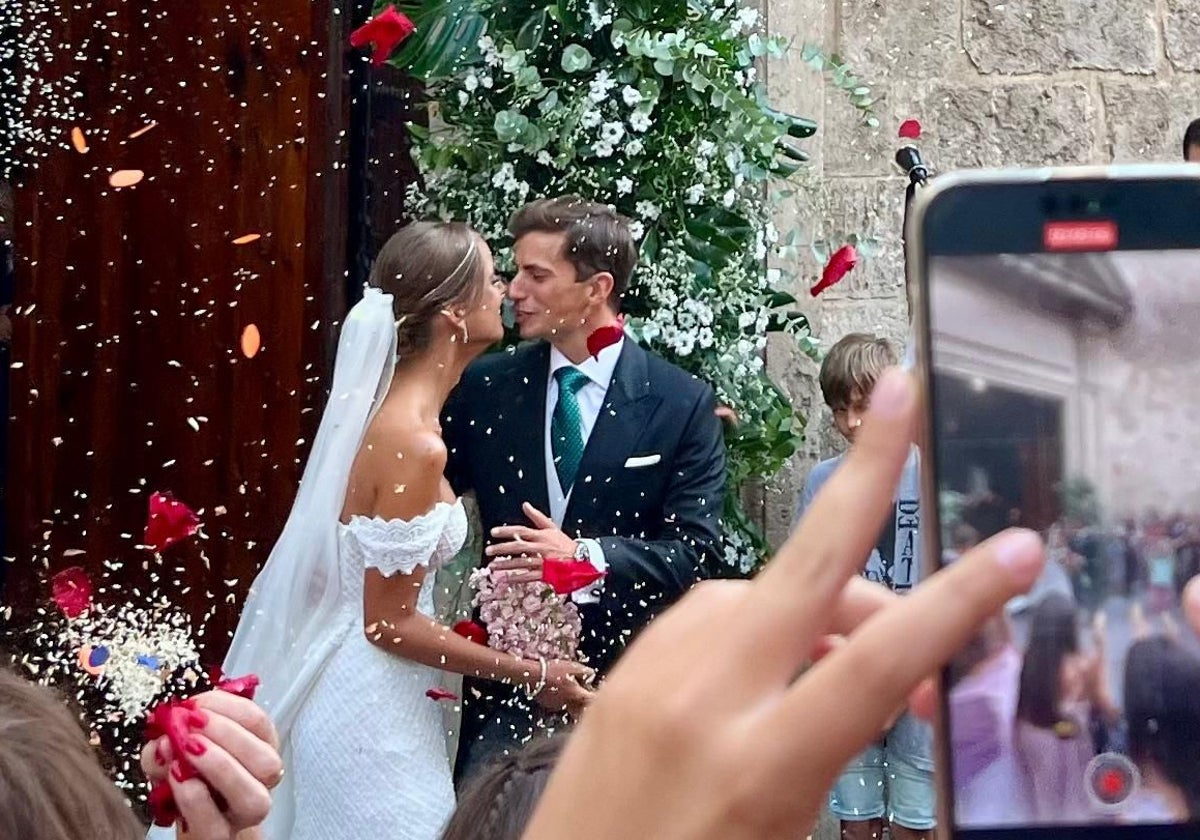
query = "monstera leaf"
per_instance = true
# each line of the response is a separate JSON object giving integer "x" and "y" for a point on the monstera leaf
{"x": 447, "y": 36}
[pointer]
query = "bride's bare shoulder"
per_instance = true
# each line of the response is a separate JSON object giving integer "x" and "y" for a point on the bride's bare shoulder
{"x": 398, "y": 472}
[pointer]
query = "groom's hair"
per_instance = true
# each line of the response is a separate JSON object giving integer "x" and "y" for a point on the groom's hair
{"x": 498, "y": 803}
{"x": 597, "y": 237}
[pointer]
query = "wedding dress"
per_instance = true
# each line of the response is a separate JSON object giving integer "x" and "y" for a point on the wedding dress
{"x": 363, "y": 747}
{"x": 368, "y": 747}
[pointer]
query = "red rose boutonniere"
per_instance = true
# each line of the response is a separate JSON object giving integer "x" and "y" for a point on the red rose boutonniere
{"x": 605, "y": 337}
{"x": 170, "y": 521}
{"x": 386, "y": 31}
{"x": 840, "y": 264}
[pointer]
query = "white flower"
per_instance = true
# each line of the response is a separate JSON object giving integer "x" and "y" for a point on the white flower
{"x": 591, "y": 119}
{"x": 634, "y": 147}
{"x": 695, "y": 193}
{"x": 648, "y": 210}
{"x": 504, "y": 174}
{"x": 471, "y": 82}
{"x": 486, "y": 81}
{"x": 746, "y": 320}
{"x": 463, "y": 98}
{"x": 611, "y": 132}
{"x": 639, "y": 120}
{"x": 598, "y": 17}
{"x": 729, "y": 198}
{"x": 600, "y": 86}
{"x": 543, "y": 157}
{"x": 631, "y": 95}
{"x": 624, "y": 185}
{"x": 706, "y": 148}
{"x": 636, "y": 230}
{"x": 603, "y": 149}
{"x": 747, "y": 17}
{"x": 734, "y": 158}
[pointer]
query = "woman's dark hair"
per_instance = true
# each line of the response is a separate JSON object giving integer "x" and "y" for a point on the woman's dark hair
{"x": 498, "y": 803}
{"x": 1162, "y": 708}
{"x": 1053, "y": 635}
{"x": 51, "y": 784}
{"x": 427, "y": 267}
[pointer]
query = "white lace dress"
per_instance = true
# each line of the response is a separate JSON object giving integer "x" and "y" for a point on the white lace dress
{"x": 369, "y": 747}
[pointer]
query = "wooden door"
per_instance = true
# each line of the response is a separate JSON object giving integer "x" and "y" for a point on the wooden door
{"x": 129, "y": 376}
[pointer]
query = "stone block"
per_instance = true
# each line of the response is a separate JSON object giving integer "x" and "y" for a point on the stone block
{"x": 1182, "y": 30}
{"x": 883, "y": 40}
{"x": 1019, "y": 37}
{"x": 792, "y": 85}
{"x": 971, "y": 125}
{"x": 1146, "y": 123}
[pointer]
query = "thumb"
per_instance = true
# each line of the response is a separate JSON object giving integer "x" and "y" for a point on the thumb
{"x": 538, "y": 518}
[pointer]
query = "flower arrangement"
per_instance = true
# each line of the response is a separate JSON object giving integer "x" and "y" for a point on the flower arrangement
{"x": 529, "y": 620}
{"x": 657, "y": 110}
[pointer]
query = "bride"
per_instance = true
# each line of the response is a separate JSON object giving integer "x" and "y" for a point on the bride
{"x": 339, "y": 624}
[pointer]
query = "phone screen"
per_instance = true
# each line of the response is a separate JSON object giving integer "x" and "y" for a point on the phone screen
{"x": 1064, "y": 396}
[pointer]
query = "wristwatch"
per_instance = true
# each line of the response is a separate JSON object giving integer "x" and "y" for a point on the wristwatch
{"x": 581, "y": 551}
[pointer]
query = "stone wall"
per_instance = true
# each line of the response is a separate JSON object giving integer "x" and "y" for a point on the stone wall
{"x": 993, "y": 83}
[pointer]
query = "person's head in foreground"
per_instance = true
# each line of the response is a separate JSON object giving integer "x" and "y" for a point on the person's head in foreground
{"x": 497, "y": 804}
{"x": 1162, "y": 708}
{"x": 848, "y": 375}
{"x": 51, "y": 784}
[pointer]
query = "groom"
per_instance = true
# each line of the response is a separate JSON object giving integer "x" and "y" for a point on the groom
{"x": 616, "y": 458}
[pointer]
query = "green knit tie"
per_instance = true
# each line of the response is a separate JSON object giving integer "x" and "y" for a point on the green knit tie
{"x": 566, "y": 426}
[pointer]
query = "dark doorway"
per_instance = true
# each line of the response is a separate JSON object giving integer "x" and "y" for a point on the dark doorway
{"x": 1001, "y": 448}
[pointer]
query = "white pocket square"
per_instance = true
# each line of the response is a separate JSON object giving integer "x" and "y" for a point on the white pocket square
{"x": 642, "y": 461}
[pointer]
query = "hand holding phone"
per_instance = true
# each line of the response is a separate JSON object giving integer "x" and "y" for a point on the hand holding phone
{"x": 1059, "y": 329}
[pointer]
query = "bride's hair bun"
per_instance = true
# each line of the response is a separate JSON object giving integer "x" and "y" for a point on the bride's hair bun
{"x": 427, "y": 267}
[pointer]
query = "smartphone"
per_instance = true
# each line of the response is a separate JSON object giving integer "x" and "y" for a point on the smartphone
{"x": 1058, "y": 344}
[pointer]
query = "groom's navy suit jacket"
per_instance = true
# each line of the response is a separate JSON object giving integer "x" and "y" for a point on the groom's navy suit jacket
{"x": 658, "y": 524}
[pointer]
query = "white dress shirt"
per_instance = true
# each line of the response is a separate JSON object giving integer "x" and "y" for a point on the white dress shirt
{"x": 599, "y": 371}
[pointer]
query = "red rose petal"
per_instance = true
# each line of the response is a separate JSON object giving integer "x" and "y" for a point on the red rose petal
{"x": 840, "y": 264}
{"x": 605, "y": 337}
{"x": 169, "y": 522}
{"x": 910, "y": 130}
{"x": 72, "y": 591}
{"x": 384, "y": 32}
{"x": 241, "y": 686}
{"x": 439, "y": 693}
{"x": 567, "y": 575}
{"x": 471, "y": 630}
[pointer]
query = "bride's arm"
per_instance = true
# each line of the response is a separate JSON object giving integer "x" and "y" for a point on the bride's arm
{"x": 393, "y": 622}
{"x": 398, "y": 476}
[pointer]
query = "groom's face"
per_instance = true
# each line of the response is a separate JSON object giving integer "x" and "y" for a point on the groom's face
{"x": 549, "y": 300}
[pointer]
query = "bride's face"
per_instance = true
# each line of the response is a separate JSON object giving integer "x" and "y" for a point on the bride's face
{"x": 483, "y": 321}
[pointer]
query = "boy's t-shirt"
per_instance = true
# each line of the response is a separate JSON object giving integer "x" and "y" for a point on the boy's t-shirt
{"x": 896, "y": 559}
{"x": 898, "y": 566}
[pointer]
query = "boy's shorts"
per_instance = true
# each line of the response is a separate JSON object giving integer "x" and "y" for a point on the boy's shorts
{"x": 892, "y": 778}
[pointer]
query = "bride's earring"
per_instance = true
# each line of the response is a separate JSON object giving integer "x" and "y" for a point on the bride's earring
{"x": 465, "y": 336}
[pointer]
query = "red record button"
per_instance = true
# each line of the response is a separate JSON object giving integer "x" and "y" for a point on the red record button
{"x": 1111, "y": 779}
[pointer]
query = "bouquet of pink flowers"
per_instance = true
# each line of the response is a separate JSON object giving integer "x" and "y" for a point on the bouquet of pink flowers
{"x": 529, "y": 620}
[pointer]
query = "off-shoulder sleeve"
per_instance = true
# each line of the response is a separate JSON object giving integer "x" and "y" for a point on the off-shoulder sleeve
{"x": 397, "y": 545}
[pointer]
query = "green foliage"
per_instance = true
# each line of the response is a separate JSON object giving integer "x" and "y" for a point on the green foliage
{"x": 655, "y": 109}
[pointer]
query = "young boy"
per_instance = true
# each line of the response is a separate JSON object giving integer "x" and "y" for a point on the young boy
{"x": 893, "y": 778}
